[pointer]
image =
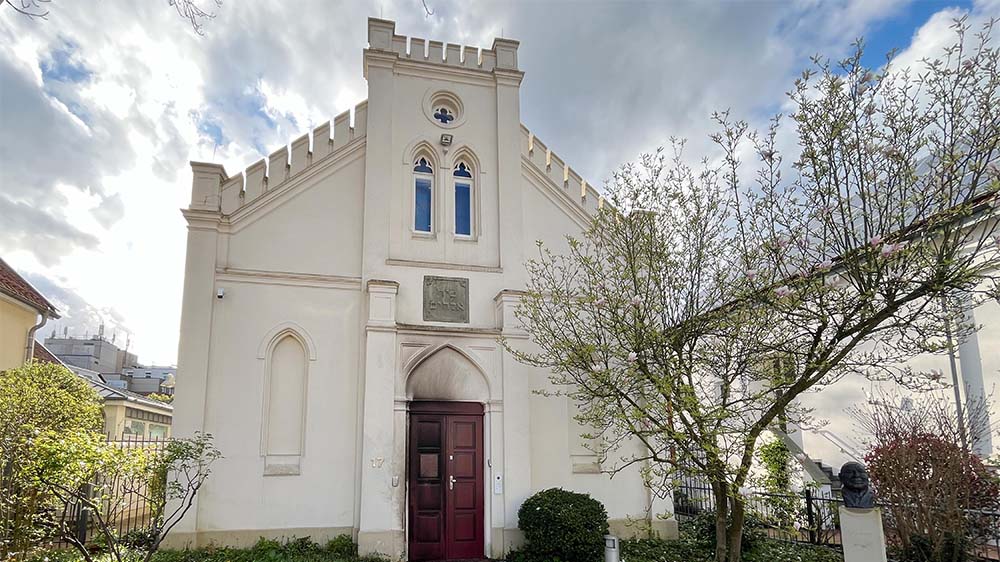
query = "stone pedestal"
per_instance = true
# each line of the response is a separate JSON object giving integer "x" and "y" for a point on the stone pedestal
{"x": 862, "y": 535}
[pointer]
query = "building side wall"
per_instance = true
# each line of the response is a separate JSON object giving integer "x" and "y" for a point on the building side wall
{"x": 15, "y": 322}
{"x": 243, "y": 495}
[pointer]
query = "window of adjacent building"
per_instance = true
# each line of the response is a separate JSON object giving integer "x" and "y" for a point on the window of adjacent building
{"x": 157, "y": 431}
{"x": 135, "y": 427}
{"x": 463, "y": 199}
{"x": 423, "y": 195}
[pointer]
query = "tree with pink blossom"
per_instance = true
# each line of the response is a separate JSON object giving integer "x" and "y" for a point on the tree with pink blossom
{"x": 705, "y": 299}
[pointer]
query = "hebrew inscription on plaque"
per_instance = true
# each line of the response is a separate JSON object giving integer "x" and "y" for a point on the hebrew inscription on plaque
{"x": 446, "y": 299}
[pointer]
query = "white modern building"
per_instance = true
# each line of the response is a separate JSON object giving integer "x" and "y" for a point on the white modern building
{"x": 343, "y": 302}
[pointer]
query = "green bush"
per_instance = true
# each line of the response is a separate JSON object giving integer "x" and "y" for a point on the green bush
{"x": 562, "y": 526}
{"x": 36, "y": 398}
{"x": 340, "y": 549}
{"x": 701, "y": 529}
{"x": 688, "y": 550}
{"x": 342, "y": 546}
{"x": 950, "y": 549}
{"x": 659, "y": 550}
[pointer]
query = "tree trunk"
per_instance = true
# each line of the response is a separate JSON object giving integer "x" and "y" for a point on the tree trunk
{"x": 721, "y": 520}
{"x": 734, "y": 538}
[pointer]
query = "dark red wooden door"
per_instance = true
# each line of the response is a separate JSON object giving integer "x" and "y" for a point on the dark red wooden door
{"x": 446, "y": 481}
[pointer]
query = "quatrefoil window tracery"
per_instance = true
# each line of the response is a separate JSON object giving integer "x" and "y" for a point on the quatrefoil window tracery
{"x": 443, "y": 115}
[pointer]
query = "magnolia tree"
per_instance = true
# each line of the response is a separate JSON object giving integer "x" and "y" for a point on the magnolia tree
{"x": 704, "y": 300}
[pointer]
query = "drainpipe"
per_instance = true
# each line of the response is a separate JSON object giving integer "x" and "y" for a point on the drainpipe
{"x": 29, "y": 347}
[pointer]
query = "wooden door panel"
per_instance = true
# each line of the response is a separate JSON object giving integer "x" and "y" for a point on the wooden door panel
{"x": 464, "y": 512}
{"x": 466, "y": 529}
{"x": 463, "y": 464}
{"x": 446, "y": 481}
{"x": 427, "y": 501}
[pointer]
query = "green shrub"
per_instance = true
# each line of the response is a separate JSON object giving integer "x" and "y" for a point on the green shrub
{"x": 342, "y": 546}
{"x": 562, "y": 526}
{"x": 36, "y": 398}
{"x": 659, "y": 550}
{"x": 701, "y": 529}
{"x": 950, "y": 549}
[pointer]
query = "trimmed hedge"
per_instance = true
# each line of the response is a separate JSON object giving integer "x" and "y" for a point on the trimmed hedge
{"x": 562, "y": 526}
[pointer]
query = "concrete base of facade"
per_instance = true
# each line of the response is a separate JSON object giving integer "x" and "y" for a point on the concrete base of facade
{"x": 504, "y": 541}
{"x": 247, "y": 537}
{"x": 643, "y": 528}
{"x": 390, "y": 543}
{"x": 667, "y": 529}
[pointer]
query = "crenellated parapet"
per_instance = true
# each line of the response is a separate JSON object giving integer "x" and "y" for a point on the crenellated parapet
{"x": 281, "y": 166}
{"x": 382, "y": 37}
{"x": 555, "y": 169}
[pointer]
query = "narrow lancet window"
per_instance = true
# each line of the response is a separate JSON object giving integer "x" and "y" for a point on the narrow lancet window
{"x": 423, "y": 195}
{"x": 463, "y": 200}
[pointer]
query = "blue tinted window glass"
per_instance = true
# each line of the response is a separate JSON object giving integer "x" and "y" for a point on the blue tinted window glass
{"x": 463, "y": 209}
{"x": 462, "y": 171}
{"x": 422, "y": 166}
{"x": 422, "y": 214}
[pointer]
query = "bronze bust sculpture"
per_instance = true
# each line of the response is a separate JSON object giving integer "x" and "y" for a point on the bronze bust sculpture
{"x": 857, "y": 489}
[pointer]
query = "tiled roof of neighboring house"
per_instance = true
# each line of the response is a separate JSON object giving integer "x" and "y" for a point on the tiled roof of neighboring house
{"x": 41, "y": 353}
{"x": 11, "y": 283}
{"x": 112, "y": 393}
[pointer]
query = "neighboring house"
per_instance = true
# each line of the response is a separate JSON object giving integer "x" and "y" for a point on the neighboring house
{"x": 342, "y": 306}
{"x": 146, "y": 380}
{"x": 127, "y": 415}
{"x": 23, "y": 310}
{"x": 975, "y": 367}
{"x": 94, "y": 353}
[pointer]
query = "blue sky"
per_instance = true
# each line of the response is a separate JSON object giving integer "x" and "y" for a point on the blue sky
{"x": 99, "y": 116}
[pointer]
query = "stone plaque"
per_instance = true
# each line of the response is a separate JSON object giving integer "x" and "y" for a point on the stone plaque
{"x": 446, "y": 299}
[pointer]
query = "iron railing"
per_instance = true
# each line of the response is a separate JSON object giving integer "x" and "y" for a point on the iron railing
{"x": 808, "y": 517}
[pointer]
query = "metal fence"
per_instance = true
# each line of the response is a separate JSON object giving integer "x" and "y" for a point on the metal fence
{"x": 125, "y": 504}
{"x": 805, "y": 517}
{"x": 811, "y": 518}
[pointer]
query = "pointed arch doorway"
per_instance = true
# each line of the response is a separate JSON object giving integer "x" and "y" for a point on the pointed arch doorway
{"x": 446, "y": 389}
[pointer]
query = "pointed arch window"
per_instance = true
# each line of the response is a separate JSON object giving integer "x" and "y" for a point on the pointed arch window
{"x": 464, "y": 184}
{"x": 423, "y": 195}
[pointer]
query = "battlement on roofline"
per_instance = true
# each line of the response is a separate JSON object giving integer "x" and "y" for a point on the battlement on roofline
{"x": 282, "y": 165}
{"x": 382, "y": 37}
{"x": 318, "y": 145}
{"x": 558, "y": 171}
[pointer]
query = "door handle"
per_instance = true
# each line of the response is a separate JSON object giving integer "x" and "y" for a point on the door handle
{"x": 451, "y": 482}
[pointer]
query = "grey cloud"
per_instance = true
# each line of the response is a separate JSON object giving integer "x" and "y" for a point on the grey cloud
{"x": 109, "y": 211}
{"x": 76, "y": 314}
{"x": 49, "y": 235}
{"x": 42, "y": 146}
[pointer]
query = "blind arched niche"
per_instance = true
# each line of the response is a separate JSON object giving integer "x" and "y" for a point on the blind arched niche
{"x": 286, "y": 364}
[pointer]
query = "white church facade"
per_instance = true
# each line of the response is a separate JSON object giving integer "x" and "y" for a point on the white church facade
{"x": 343, "y": 305}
